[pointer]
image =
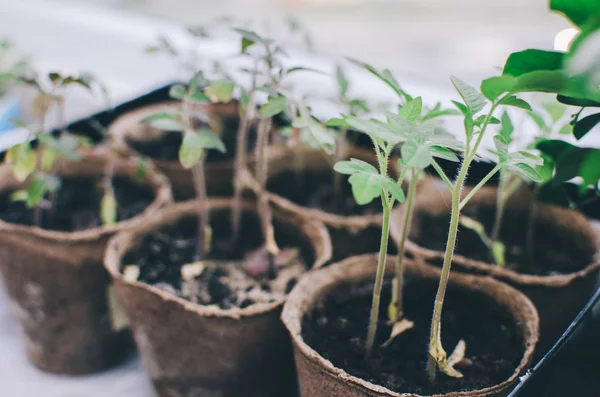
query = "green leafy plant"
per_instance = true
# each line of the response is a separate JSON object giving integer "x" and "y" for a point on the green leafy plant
{"x": 198, "y": 137}
{"x": 37, "y": 165}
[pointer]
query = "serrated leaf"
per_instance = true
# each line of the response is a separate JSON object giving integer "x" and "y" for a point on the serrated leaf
{"x": 274, "y": 106}
{"x": 220, "y": 91}
{"x": 365, "y": 187}
{"x": 375, "y": 129}
{"x": 525, "y": 171}
{"x": 108, "y": 209}
{"x": 163, "y": 121}
{"x": 177, "y": 91}
{"x": 473, "y": 99}
{"x": 416, "y": 155}
{"x": 516, "y": 102}
{"x": 443, "y": 153}
{"x": 412, "y": 110}
{"x": 585, "y": 125}
{"x": 493, "y": 87}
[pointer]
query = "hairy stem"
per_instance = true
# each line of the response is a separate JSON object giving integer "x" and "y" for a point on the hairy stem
{"x": 203, "y": 210}
{"x": 264, "y": 210}
{"x": 240, "y": 165}
{"x": 385, "y": 232}
{"x": 399, "y": 279}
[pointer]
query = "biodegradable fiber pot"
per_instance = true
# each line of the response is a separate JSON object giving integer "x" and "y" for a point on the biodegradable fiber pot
{"x": 194, "y": 350}
{"x": 162, "y": 147}
{"x": 302, "y": 171}
{"x": 319, "y": 377}
{"x": 56, "y": 284}
{"x": 562, "y": 237}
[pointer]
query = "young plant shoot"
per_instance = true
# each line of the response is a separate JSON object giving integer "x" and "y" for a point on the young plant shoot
{"x": 271, "y": 73}
{"x": 38, "y": 164}
{"x": 499, "y": 91}
{"x": 197, "y": 139}
{"x": 412, "y": 114}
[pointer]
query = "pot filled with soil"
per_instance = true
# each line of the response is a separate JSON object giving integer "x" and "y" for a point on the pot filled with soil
{"x": 162, "y": 146}
{"x": 303, "y": 182}
{"x": 327, "y": 312}
{"x": 211, "y": 326}
{"x": 51, "y": 260}
{"x": 551, "y": 257}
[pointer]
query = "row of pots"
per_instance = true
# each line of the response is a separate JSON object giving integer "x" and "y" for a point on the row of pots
{"x": 60, "y": 292}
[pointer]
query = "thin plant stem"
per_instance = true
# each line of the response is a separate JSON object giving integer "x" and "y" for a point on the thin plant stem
{"x": 399, "y": 279}
{"x": 436, "y": 351}
{"x": 240, "y": 165}
{"x": 477, "y": 187}
{"x": 264, "y": 210}
{"x": 203, "y": 210}
{"x": 385, "y": 232}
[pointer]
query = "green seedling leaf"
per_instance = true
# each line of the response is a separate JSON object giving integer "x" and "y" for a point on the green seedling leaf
{"x": 461, "y": 107}
{"x": 438, "y": 112}
{"x": 498, "y": 250}
{"x": 320, "y": 134}
{"x": 416, "y": 155}
{"x": 585, "y": 125}
{"x": 512, "y": 100}
{"x": 177, "y": 91}
{"x": 475, "y": 226}
{"x": 65, "y": 146}
{"x": 197, "y": 82}
{"x": 303, "y": 69}
{"x": 412, "y": 110}
{"x": 376, "y": 129}
{"x": 519, "y": 63}
{"x": 473, "y": 99}
{"x": 342, "y": 81}
{"x": 526, "y": 172}
{"x": 552, "y": 81}
{"x": 358, "y": 105}
{"x": 366, "y": 186}
{"x": 108, "y": 209}
{"x": 507, "y": 127}
{"x": 48, "y": 159}
{"x": 480, "y": 120}
{"x": 354, "y": 166}
{"x": 220, "y": 91}
{"x": 195, "y": 142}
{"x": 37, "y": 189}
{"x": 385, "y": 76}
{"x": 443, "y": 153}
{"x": 23, "y": 160}
{"x": 198, "y": 97}
{"x": 336, "y": 122}
{"x": 163, "y": 121}
{"x": 494, "y": 87}
{"x": 555, "y": 109}
{"x": 274, "y": 106}
{"x": 566, "y": 129}
{"x": 578, "y": 11}
{"x": 393, "y": 188}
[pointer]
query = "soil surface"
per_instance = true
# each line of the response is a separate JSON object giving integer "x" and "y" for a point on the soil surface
{"x": 315, "y": 189}
{"x": 167, "y": 260}
{"x": 551, "y": 255}
{"x": 77, "y": 204}
{"x": 337, "y": 329}
{"x": 167, "y": 148}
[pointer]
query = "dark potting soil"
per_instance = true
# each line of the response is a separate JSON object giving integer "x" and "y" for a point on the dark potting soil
{"x": 315, "y": 189}
{"x": 167, "y": 147}
{"x": 548, "y": 258}
{"x": 220, "y": 279}
{"x": 337, "y": 329}
{"x": 77, "y": 204}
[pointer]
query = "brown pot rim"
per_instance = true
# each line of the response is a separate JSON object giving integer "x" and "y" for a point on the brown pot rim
{"x": 307, "y": 292}
{"x": 335, "y": 221}
{"x": 119, "y": 245}
{"x": 504, "y": 274}
{"x": 124, "y": 166}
